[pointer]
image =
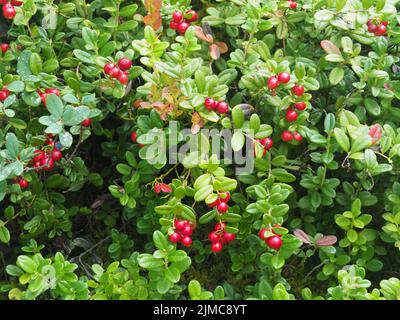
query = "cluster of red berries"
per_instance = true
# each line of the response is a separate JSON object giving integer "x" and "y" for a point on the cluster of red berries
{"x": 221, "y": 202}
{"x": 377, "y": 29}
{"x": 274, "y": 242}
{"x": 181, "y": 22}
{"x": 274, "y": 81}
{"x": 219, "y": 237}
{"x": 119, "y": 71}
{"x": 183, "y": 231}
{"x": 8, "y": 8}
{"x": 43, "y": 95}
{"x": 22, "y": 183}
{"x": 288, "y": 136}
{"x": 4, "y": 47}
{"x": 4, "y": 94}
{"x": 267, "y": 144}
{"x": 220, "y": 106}
{"x": 292, "y": 4}
{"x": 375, "y": 132}
{"x": 45, "y": 160}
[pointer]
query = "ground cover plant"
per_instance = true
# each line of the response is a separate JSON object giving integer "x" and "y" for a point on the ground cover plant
{"x": 92, "y": 205}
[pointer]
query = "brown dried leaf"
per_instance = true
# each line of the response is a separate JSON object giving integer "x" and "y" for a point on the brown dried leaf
{"x": 329, "y": 47}
{"x": 301, "y": 235}
{"x": 214, "y": 52}
{"x": 153, "y": 17}
{"x": 202, "y": 36}
{"x": 197, "y": 123}
{"x": 223, "y": 47}
{"x": 326, "y": 241}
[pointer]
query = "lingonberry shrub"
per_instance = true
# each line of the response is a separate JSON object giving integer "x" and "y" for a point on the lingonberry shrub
{"x": 91, "y": 200}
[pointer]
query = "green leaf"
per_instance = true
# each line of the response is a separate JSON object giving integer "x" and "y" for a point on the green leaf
{"x": 160, "y": 240}
{"x": 16, "y": 86}
{"x": 54, "y": 105}
{"x": 238, "y": 140}
{"x": 237, "y": 117}
{"x": 342, "y": 139}
{"x": 4, "y": 234}
{"x": 202, "y": 193}
{"x": 336, "y": 75}
{"x": 194, "y": 289}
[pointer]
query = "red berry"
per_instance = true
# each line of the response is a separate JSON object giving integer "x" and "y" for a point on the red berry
{"x": 56, "y": 155}
{"x": 134, "y": 136}
{"x": 209, "y": 103}
{"x": 375, "y": 132}
{"x": 187, "y": 241}
{"x": 175, "y": 237}
{"x": 3, "y": 2}
{"x": 108, "y": 67}
{"x": 262, "y": 234}
{"x": 222, "y": 107}
{"x": 380, "y": 30}
{"x": 36, "y": 165}
{"x": 291, "y": 115}
{"x": 297, "y": 136}
{"x": 4, "y": 47}
{"x": 213, "y": 236}
{"x": 219, "y": 226}
{"x": 300, "y": 105}
{"x": 229, "y": 236}
{"x": 267, "y": 143}
{"x": 222, "y": 207}
{"x": 187, "y": 230}
{"x": 47, "y": 163}
{"x": 180, "y": 224}
{"x": 123, "y": 78}
{"x": 192, "y": 16}
{"x": 273, "y": 82}
{"x": 86, "y": 123}
{"x": 23, "y": 183}
{"x": 182, "y": 27}
{"x": 287, "y": 136}
{"x": 372, "y": 28}
{"x": 284, "y": 77}
{"x": 8, "y": 11}
{"x": 292, "y": 5}
{"x": 298, "y": 90}
{"x": 124, "y": 64}
{"x": 226, "y": 197}
{"x": 16, "y": 3}
{"x": 213, "y": 204}
{"x": 385, "y": 23}
{"x": 369, "y": 22}
{"x": 114, "y": 72}
{"x": 53, "y": 91}
{"x": 177, "y": 16}
{"x": 43, "y": 97}
{"x": 38, "y": 156}
{"x": 173, "y": 25}
{"x": 4, "y": 94}
{"x": 216, "y": 247}
{"x": 274, "y": 242}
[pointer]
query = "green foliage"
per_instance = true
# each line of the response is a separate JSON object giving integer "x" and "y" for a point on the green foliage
{"x": 98, "y": 225}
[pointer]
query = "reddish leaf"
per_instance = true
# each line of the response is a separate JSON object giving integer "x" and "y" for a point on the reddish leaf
{"x": 326, "y": 241}
{"x": 197, "y": 123}
{"x": 165, "y": 188}
{"x": 223, "y": 47}
{"x": 375, "y": 132}
{"x": 214, "y": 52}
{"x": 153, "y": 17}
{"x": 157, "y": 188}
{"x": 202, "y": 36}
{"x": 301, "y": 235}
{"x": 330, "y": 48}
